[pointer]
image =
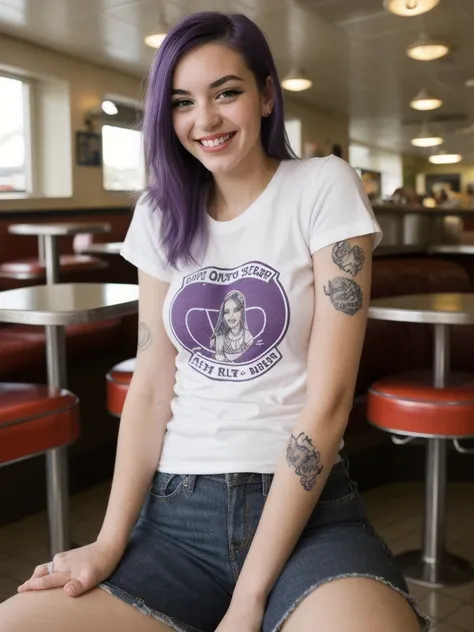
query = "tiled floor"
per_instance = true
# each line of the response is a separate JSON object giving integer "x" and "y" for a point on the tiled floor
{"x": 395, "y": 511}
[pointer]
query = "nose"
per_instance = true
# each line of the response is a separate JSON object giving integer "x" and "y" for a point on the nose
{"x": 207, "y": 117}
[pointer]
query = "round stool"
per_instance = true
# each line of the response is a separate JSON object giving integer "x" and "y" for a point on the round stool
{"x": 117, "y": 382}
{"x": 409, "y": 406}
{"x": 35, "y": 419}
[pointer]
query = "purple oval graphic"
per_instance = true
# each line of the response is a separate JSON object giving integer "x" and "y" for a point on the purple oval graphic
{"x": 231, "y": 320}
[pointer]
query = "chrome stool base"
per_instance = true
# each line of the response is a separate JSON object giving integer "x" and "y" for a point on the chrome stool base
{"x": 451, "y": 570}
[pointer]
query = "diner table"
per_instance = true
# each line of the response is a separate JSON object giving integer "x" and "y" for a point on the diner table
{"x": 54, "y": 307}
{"x": 48, "y": 234}
{"x": 110, "y": 248}
{"x": 432, "y": 565}
{"x": 452, "y": 249}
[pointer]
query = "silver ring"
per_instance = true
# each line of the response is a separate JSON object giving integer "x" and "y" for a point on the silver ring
{"x": 49, "y": 568}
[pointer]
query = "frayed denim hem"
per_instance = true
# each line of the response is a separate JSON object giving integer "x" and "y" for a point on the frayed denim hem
{"x": 140, "y": 605}
{"x": 424, "y": 620}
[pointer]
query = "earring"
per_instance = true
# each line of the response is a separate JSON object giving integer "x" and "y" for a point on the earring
{"x": 266, "y": 114}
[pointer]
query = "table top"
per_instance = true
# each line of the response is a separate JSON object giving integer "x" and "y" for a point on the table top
{"x": 60, "y": 228}
{"x": 110, "y": 248}
{"x": 452, "y": 249}
{"x": 443, "y": 309}
{"x": 68, "y": 303}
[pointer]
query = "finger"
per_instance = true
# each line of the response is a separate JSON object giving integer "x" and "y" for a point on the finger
{"x": 55, "y": 580}
{"x": 80, "y": 584}
{"x": 40, "y": 571}
{"x": 74, "y": 588}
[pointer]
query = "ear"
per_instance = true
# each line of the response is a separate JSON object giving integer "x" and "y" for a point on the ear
{"x": 268, "y": 97}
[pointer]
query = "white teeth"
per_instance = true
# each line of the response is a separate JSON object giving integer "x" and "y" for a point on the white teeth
{"x": 216, "y": 142}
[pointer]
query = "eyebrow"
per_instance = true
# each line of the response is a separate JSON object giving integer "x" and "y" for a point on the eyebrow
{"x": 215, "y": 84}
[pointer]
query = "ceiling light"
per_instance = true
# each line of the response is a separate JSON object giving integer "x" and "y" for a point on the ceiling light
{"x": 469, "y": 83}
{"x": 161, "y": 28}
{"x": 296, "y": 81}
{"x": 409, "y": 7}
{"x": 155, "y": 40}
{"x": 109, "y": 107}
{"x": 426, "y": 139}
{"x": 427, "y": 50}
{"x": 425, "y": 101}
{"x": 445, "y": 159}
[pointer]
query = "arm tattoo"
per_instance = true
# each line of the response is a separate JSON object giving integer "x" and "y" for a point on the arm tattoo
{"x": 348, "y": 258}
{"x": 301, "y": 454}
{"x": 144, "y": 336}
{"x": 345, "y": 295}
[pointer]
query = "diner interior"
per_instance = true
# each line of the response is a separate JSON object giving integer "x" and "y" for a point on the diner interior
{"x": 387, "y": 86}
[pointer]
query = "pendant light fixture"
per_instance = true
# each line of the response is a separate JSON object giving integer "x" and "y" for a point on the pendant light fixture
{"x": 424, "y": 100}
{"x": 155, "y": 39}
{"x": 296, "y": 80}
{"x": 444, "y": 159}
{"x": 425, "y": 49}
{"x": 426, "y": 138}
{"x": 406, "y": 8}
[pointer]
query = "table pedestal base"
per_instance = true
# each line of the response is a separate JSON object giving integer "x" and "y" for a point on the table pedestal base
{"x": 58, "y": 500}
{"x": 450, "y": 570}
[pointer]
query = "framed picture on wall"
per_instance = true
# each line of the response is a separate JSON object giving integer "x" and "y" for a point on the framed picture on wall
{"x": 372, "y": 181}
{"x": 88, "y": 149}
{"x": 435, "y": 182}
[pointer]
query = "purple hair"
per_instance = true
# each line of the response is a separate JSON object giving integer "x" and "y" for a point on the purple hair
{"x": 177, "y": 180}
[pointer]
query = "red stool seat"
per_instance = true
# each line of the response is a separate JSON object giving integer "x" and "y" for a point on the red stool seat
{"x": 118, "y": 381}
{"x": 35, "y": 418}
{"x": 25, "y": 269}
{"x": 409, "y": 404}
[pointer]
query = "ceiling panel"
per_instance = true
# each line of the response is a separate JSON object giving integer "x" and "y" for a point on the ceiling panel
{"x": 353, "y": 50}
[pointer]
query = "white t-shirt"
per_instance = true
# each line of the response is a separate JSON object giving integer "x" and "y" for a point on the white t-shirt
{"x": 241, "y": 319}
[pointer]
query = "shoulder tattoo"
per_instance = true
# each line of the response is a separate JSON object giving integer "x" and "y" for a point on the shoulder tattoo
{"x": 348, "y": 258}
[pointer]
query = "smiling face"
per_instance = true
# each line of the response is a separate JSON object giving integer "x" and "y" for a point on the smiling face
{"x": 217, "y": 107}
{"x": 232, "y": 314}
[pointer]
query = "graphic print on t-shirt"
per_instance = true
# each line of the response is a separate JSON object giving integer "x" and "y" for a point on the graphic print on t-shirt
{"x": 231, "y": 320}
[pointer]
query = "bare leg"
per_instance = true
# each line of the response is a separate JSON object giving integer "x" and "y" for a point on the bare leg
{"x": 353, "y": 604}
{"x": 54, "y": 611}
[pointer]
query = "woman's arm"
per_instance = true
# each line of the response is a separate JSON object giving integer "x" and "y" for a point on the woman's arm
{"x": 145, "y": 414}
{"x": 342, "y": 292}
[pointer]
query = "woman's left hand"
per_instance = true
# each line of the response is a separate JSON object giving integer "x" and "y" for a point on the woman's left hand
{"x": 243, "y": 615}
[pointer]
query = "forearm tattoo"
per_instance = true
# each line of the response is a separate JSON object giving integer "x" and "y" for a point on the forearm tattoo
{"x": 348, "y": 258}
{"x": 304, "y": 458}
{"x": 144, "y": 336}
{"x": 345, "y": 295}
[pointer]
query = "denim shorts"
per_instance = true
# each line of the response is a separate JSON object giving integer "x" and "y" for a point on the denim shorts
{"x": 194, "y": 532}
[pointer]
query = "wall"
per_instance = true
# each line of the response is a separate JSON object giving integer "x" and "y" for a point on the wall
{"x": 466, "y": 171}
{"x": 389, "y": 164}
{"x": 319, "y": 127}
{"x": 88, "y": 83}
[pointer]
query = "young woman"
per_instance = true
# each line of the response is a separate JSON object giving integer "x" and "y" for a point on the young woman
{"x": 231, "y": 508}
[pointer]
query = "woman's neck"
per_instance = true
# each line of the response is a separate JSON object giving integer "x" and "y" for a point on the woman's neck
{"x": 234, "y": 192}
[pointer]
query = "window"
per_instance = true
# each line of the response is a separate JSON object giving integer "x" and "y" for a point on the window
{"x": 14, "y": 136}
{"x": 123, "y": 160}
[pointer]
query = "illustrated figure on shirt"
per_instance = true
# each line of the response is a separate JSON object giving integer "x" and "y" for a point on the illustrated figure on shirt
{"x": 231, "y": 336}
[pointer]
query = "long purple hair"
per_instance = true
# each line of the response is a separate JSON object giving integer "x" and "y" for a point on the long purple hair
{"x": 177, "y": 180}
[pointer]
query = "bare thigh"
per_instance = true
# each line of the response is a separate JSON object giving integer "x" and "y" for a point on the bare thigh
{"x": 53, "y": 611}
{"x": 353, "y": 604}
